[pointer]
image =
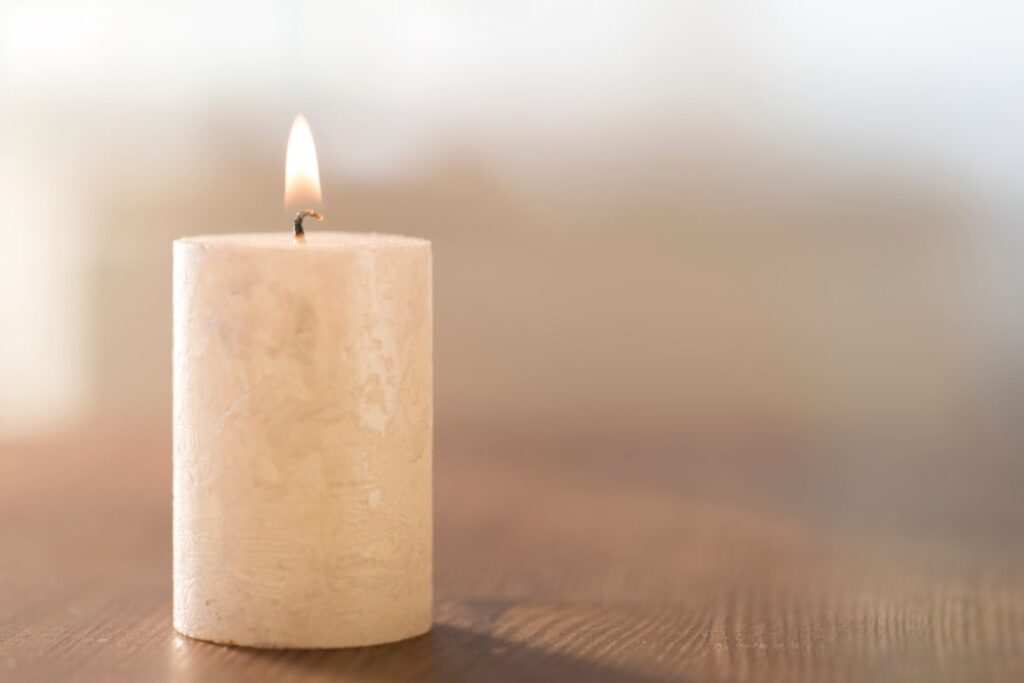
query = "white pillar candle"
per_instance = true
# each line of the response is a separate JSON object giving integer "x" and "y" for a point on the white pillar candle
{"x": 302, "y": 439}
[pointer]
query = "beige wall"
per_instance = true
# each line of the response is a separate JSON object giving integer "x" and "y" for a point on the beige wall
{"x": 647, "y": 217}
{"x": 688, "y": 293}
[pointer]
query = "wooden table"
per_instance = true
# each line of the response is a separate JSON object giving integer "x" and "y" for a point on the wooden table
{"x": 570, "y": 554}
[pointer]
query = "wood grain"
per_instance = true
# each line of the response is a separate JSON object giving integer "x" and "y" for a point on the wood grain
{"x": 569, "y": 554}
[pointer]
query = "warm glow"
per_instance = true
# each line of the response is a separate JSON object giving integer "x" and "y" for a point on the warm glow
{"x": 301, "y": 171}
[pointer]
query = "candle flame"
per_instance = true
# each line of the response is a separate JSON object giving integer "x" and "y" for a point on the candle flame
{"x": 301, "y": 170}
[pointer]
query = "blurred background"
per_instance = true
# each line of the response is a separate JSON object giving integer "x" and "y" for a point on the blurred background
{"x": 647, "y": 217}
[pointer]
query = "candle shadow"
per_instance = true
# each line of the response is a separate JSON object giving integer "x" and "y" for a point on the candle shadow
{"x": 447, "y": 653}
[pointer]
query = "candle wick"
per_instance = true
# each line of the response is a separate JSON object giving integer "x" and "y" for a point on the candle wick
{"x": 300, "y": 233}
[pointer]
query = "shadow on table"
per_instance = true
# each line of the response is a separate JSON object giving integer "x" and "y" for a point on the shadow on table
{"x": 448, "y": 653}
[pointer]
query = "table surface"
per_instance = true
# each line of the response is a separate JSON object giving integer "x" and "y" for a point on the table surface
{"x": 567, "y": 555}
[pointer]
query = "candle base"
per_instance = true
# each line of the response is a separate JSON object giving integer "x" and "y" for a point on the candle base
{"x": 416, "y": 633}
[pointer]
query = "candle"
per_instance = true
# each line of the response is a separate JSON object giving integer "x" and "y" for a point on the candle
{"x": 302, "y": 436}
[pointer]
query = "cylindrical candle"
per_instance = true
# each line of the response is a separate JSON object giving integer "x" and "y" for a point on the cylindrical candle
{"x": 302, "y": 439}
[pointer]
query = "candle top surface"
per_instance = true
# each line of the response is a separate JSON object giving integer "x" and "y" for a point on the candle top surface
{"x": 319, "y": 240}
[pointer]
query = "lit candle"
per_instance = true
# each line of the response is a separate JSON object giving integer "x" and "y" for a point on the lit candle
{"x": 302, "y": 432}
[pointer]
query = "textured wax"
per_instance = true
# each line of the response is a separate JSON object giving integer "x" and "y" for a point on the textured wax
{"x": 302, "y": 439}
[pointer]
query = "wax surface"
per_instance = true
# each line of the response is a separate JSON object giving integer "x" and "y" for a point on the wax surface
{"x": 302, "y": 439}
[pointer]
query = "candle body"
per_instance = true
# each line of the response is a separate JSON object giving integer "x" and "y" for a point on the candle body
{"x": 302, "y": 439}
